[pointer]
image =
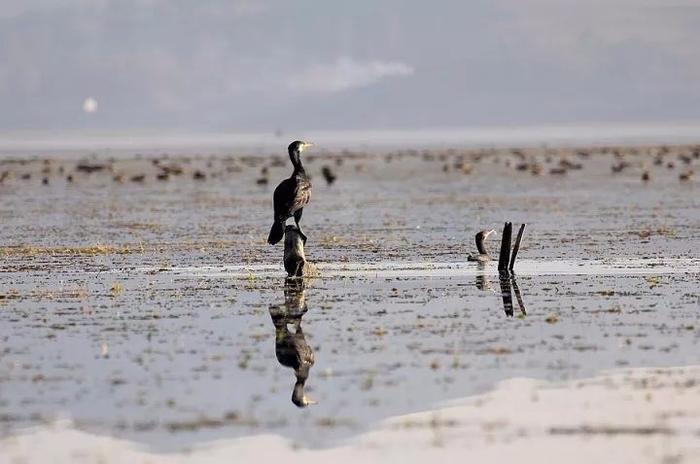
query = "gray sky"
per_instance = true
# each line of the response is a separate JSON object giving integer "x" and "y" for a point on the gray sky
{"x": 262, "y": 65}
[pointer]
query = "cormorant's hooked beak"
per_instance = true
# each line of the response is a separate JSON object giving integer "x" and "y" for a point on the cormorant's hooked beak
{"x": 305, "y": 145}
{"x": 489, "y": 232}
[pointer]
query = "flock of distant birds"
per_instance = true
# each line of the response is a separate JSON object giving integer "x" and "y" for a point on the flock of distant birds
{"x": 523, "y": 161}
{"x": 661, "y": 158}
{"x": 166, "y": 171}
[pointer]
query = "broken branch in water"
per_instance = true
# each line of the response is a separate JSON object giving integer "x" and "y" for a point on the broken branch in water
{"x": 516, "y": 247}
{"x": 504, "y": 257}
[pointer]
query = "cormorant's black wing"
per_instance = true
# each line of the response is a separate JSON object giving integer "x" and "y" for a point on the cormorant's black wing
{"x": 290, "y": 196}
{"x": 283, "y": 198}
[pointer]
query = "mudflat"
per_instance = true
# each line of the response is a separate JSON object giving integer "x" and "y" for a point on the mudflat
{"x": 137, "y": 292}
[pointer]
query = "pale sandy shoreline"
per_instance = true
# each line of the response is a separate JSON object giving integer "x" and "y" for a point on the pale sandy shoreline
{"x": 644, "y": 415}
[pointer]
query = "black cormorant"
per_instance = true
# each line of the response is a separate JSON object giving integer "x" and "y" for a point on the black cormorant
{"x": 483, "y": 255}
{"x": 291, "y": 195}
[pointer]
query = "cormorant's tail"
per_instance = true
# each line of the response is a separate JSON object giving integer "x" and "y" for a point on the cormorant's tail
{"x": 276, "y": 233}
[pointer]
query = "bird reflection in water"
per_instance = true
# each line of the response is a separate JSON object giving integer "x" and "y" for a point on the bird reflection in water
{"x": 291, "y": 347}
{"x": 482, "y": 282}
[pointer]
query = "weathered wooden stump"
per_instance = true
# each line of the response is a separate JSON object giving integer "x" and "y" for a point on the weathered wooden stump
{"x": 506, "y": 259}
{"x": 295, "y": 262}
{"x": 504, "y": 256}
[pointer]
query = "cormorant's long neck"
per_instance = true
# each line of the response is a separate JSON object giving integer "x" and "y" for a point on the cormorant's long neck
{"x": 296, "y": 162}
{"x": 480, "y": 245}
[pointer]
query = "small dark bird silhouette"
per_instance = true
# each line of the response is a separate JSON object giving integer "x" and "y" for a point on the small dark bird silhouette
{"x": 620, "y": 166}
{"x": 291, "y": 195}
{"x": 328, "y": 175}
{"x": 173, "y": 169}
{"x": 557, "y": 171}
{"x": 264, "y": 178}
{"x": 687, "y": 159}
{"x": 90, "y": 168}
{"x": 686, "y": 176}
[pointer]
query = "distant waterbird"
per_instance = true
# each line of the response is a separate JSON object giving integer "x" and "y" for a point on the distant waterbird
{"x": 328, "y": 175}
{"x": 263, "y": 179}
{"x": 291, "y": 195}
{"x": 686, "y": 176}
{"x": 483, "y": 255}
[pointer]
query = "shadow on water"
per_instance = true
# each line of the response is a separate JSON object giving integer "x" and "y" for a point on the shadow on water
{"x": 508, "y": 286}
{"x": 291, "y": 347}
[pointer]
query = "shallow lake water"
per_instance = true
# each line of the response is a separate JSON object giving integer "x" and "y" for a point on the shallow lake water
{"x": 146, "y": 309}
